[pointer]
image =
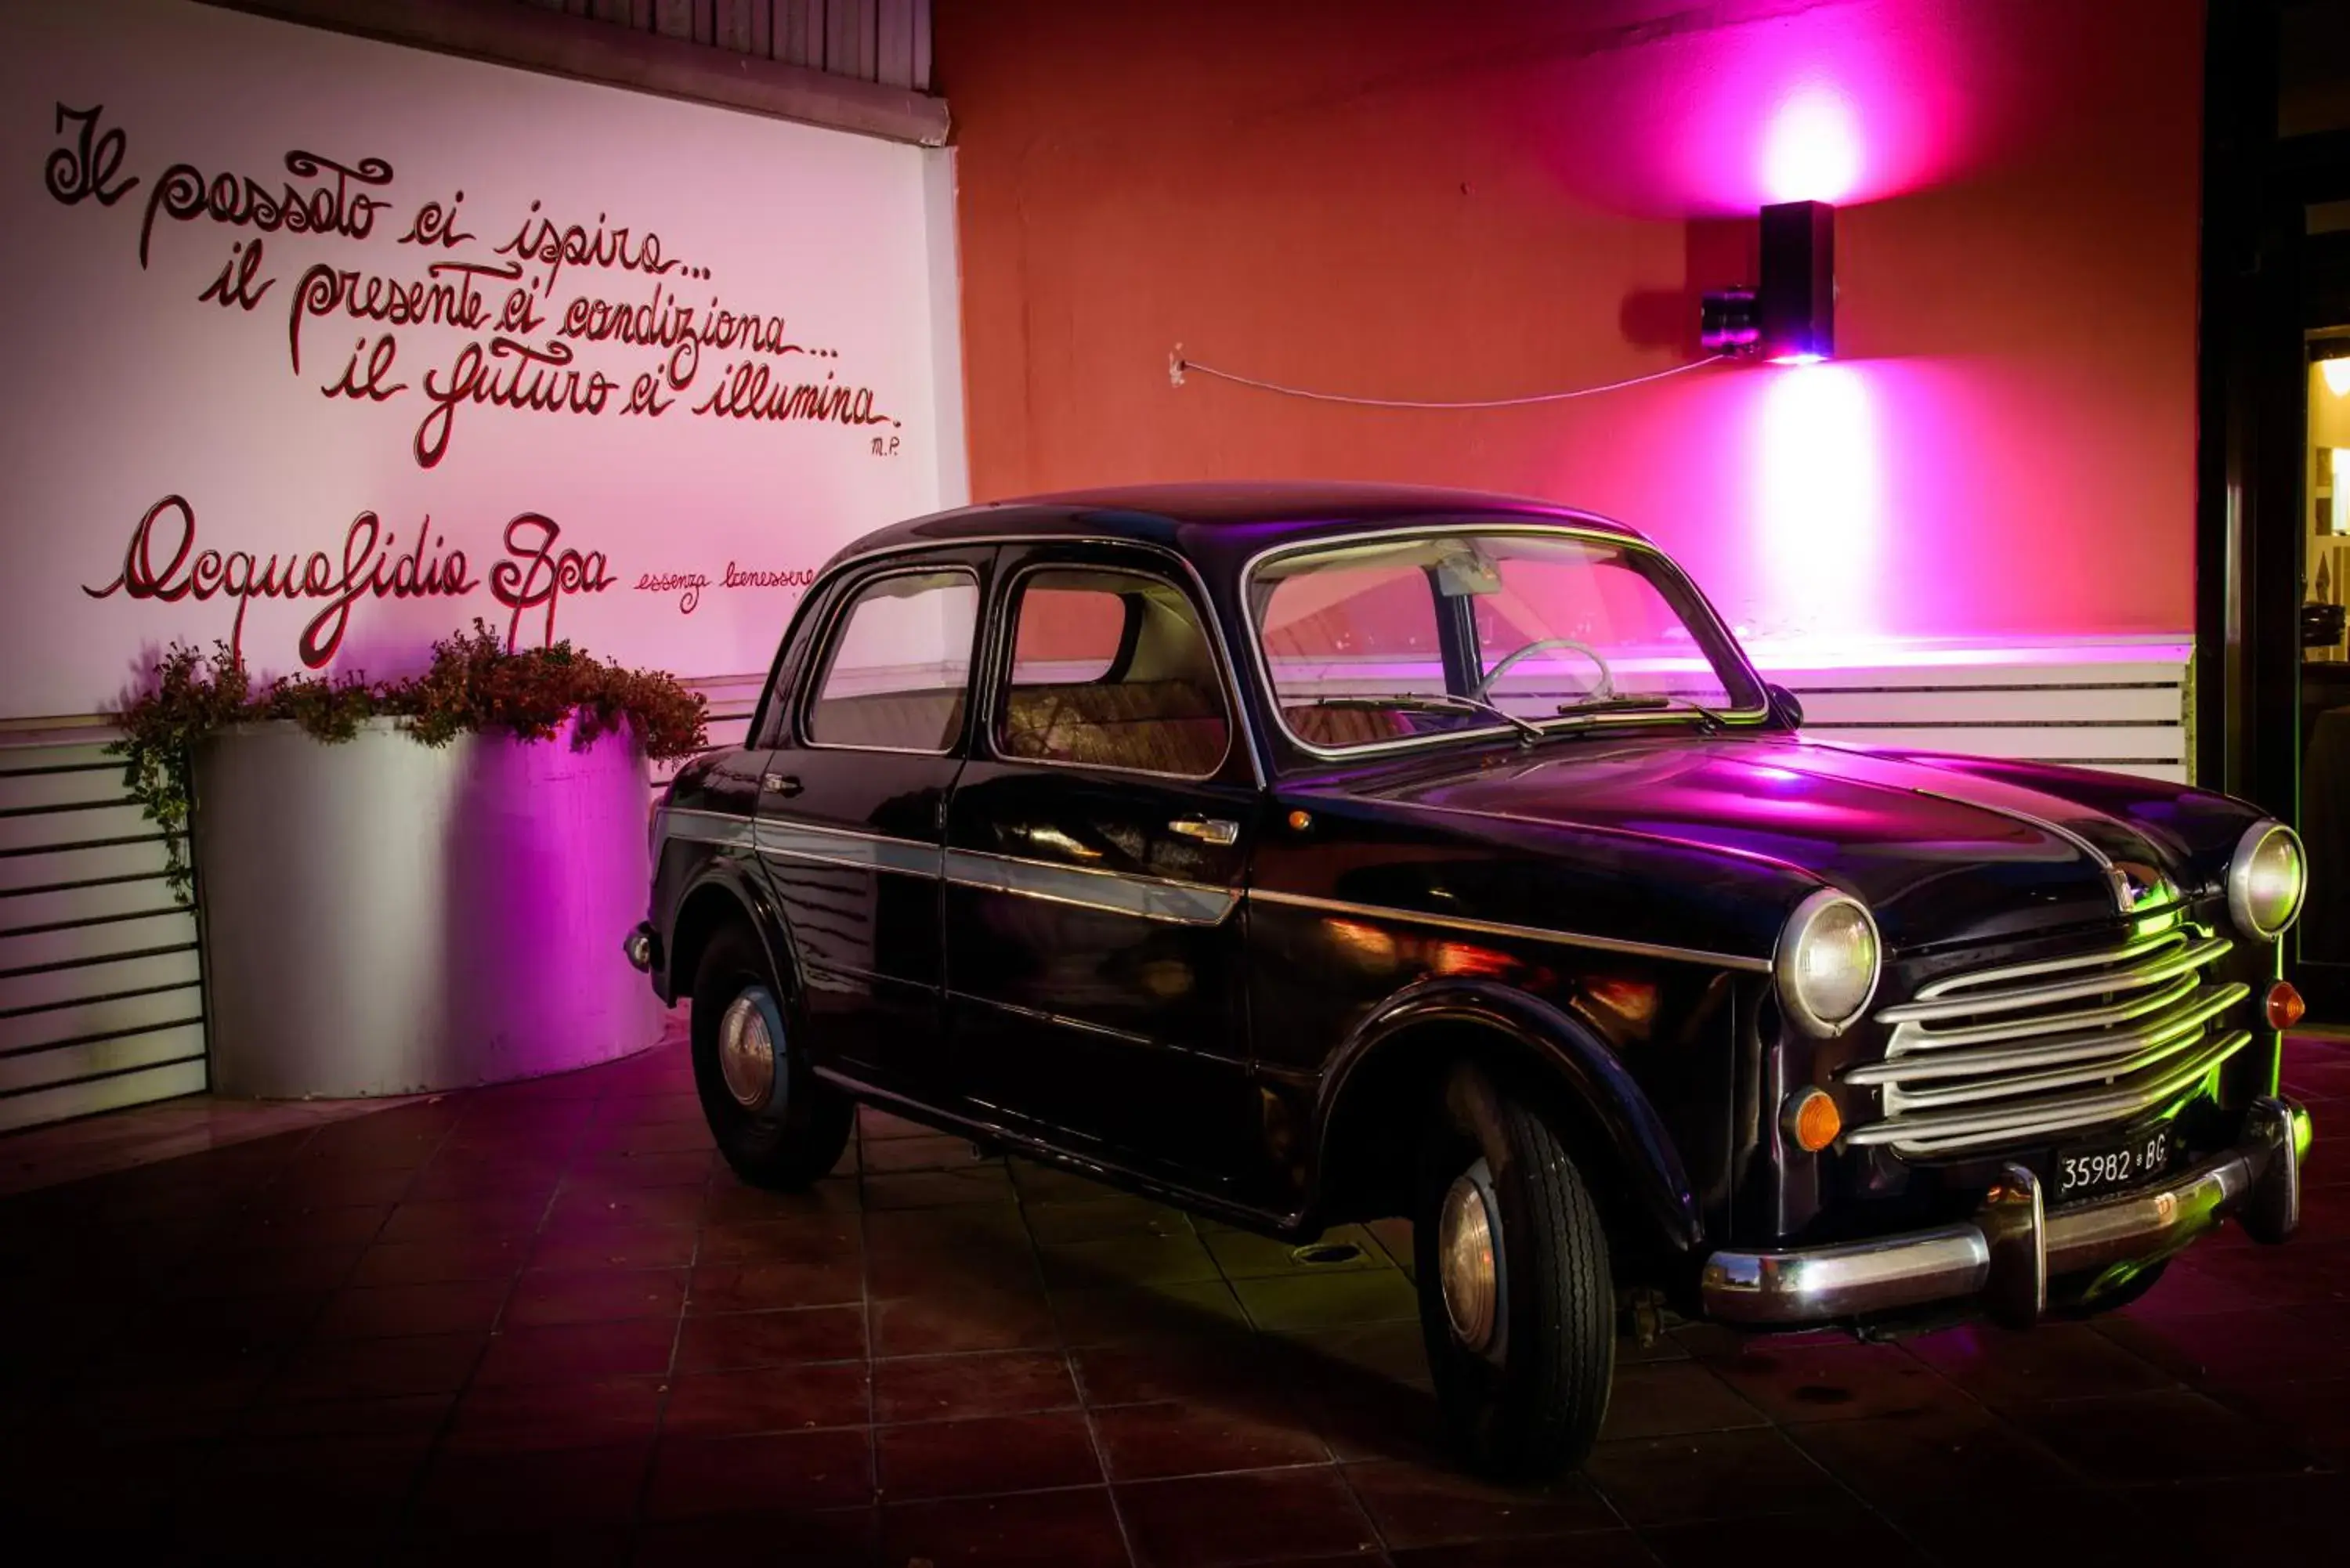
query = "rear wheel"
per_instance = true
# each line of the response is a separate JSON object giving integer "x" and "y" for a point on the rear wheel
{"x": 1517, "y": 1305}
{"x": 776, "y": 1123}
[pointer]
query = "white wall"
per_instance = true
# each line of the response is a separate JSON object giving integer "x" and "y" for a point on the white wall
{"x": 129, "y": 387}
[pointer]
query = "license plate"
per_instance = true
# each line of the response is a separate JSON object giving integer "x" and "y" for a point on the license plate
{"x": 2089, "y": 1169}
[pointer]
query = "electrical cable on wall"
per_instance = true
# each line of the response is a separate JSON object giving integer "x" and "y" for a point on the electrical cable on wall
{"x": 1178, "y": 366}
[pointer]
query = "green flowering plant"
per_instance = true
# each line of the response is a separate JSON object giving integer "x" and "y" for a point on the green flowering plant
{"x": 474, "y": 683}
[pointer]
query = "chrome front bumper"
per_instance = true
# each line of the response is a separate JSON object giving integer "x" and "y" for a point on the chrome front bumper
{"x": 2008, "y": 1250}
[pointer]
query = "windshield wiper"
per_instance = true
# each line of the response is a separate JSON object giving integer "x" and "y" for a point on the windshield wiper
{"x": 1432, "y": 702}
{"x": 1643, "y": 702}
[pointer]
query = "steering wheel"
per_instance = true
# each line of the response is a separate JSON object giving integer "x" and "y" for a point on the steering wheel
{"x": 1603, "y": 689}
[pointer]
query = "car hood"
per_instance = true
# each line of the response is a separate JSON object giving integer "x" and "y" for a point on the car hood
{"x": 1939, "y": 848}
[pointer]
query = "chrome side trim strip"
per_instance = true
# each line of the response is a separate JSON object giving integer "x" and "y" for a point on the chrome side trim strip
{"x": 718, "y": 827}
{"x": 1115, "y": 892}
{"x": 857, "y": 851}
{"x": 1520, "y": 933}
{"x": 1056, "y": 1019}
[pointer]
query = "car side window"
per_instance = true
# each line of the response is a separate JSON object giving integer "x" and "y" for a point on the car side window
{"x": 1111, "y": 669}
{"x": 895, "y": 675}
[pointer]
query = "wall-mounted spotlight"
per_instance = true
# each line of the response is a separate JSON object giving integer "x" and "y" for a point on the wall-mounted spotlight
{"x": 1726, "y": 322}
{"x": 1789, "y": 317}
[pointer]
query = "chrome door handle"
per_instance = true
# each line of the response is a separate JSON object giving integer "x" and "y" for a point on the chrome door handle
{"x": 1207, "y": 830}
{"x": 783, "y": 785}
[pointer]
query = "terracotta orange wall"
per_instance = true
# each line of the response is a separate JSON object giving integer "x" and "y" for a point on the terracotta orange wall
{"x": 1478, "y": 199}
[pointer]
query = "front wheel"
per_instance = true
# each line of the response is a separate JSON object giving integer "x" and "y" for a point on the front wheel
{"x": 1517, "y": 1305}
{"x": 776, "y": 1123}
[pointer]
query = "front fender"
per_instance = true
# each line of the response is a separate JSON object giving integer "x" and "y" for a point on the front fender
{"x": 1552, "y": 1043}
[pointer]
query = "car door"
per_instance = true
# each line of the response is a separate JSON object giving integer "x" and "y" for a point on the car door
{"x": 852, "y": 810}
{"x": 1098, "y": 845}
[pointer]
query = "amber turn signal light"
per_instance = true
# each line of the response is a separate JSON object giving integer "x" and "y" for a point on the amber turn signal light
{"x": 2284, "y": 1006}
{"x": 1813, "y": 1120}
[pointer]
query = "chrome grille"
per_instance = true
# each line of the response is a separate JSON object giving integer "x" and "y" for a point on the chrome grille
{"x": 2006, "y": 1054}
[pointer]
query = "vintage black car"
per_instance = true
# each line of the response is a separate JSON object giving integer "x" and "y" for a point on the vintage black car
{"x": 1306, "y": 855}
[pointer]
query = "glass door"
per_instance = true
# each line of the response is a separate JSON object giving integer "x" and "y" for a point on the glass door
{"x": 2321, "y": 941}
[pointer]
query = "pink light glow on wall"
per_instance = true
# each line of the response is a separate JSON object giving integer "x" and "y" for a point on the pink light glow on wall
{"x": 2004, "y": 449}
{"x": 1812, "y": 151}
{"x": 1818, "y": 503}
{"x": 1837, "y": 103}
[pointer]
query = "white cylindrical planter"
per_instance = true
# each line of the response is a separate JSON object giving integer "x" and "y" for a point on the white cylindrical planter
{"x": 383, "y": 918}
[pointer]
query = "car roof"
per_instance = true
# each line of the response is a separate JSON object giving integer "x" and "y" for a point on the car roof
{"x": 1219, "y": 525}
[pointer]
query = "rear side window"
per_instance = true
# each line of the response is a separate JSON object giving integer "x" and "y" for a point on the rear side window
{"x": 896, "y": 674}
{"x": 1067, "y": 633}
{"x": 1112, "y": 669}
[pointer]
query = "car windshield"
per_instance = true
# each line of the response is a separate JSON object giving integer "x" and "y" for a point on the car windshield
{"x": 1371, "y": 641}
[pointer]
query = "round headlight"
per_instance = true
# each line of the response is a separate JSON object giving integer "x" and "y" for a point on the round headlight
{"x": 2265, "y": 880}
{"x": 1827, "y": 962}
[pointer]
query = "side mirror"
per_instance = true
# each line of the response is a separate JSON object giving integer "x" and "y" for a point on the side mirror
{"x": 1785, "y": 708}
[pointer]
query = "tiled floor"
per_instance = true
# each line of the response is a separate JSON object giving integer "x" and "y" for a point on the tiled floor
{"x": 192, "y": 1124}
{"x": 542, "y": 1324}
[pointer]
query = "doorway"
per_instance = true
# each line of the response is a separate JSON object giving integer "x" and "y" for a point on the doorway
{"x": 2272, "y": 564}
{"x": 2320, "y": 951}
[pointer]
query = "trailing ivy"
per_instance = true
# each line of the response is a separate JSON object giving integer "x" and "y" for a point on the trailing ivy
{"x": 475, "y": 683}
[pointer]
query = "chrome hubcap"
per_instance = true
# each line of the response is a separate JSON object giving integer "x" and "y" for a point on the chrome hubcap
{"x": 1467, "y": 1248}
{"x": 746, "y": 1050}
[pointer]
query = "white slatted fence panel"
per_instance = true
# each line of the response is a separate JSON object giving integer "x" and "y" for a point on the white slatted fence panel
{"x": 104, "y": 975}
{"x": 732, "y": 698}
{"x": 100, "y": 1001}
{"x": 136, "y": 1012}
{"x": 2117, "y": 706}
{"x": 47, "y": 907}
{"x": 29, "y": 870}
{"x": 63, "y": 1101}
{"x": 98, "y": 1060}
